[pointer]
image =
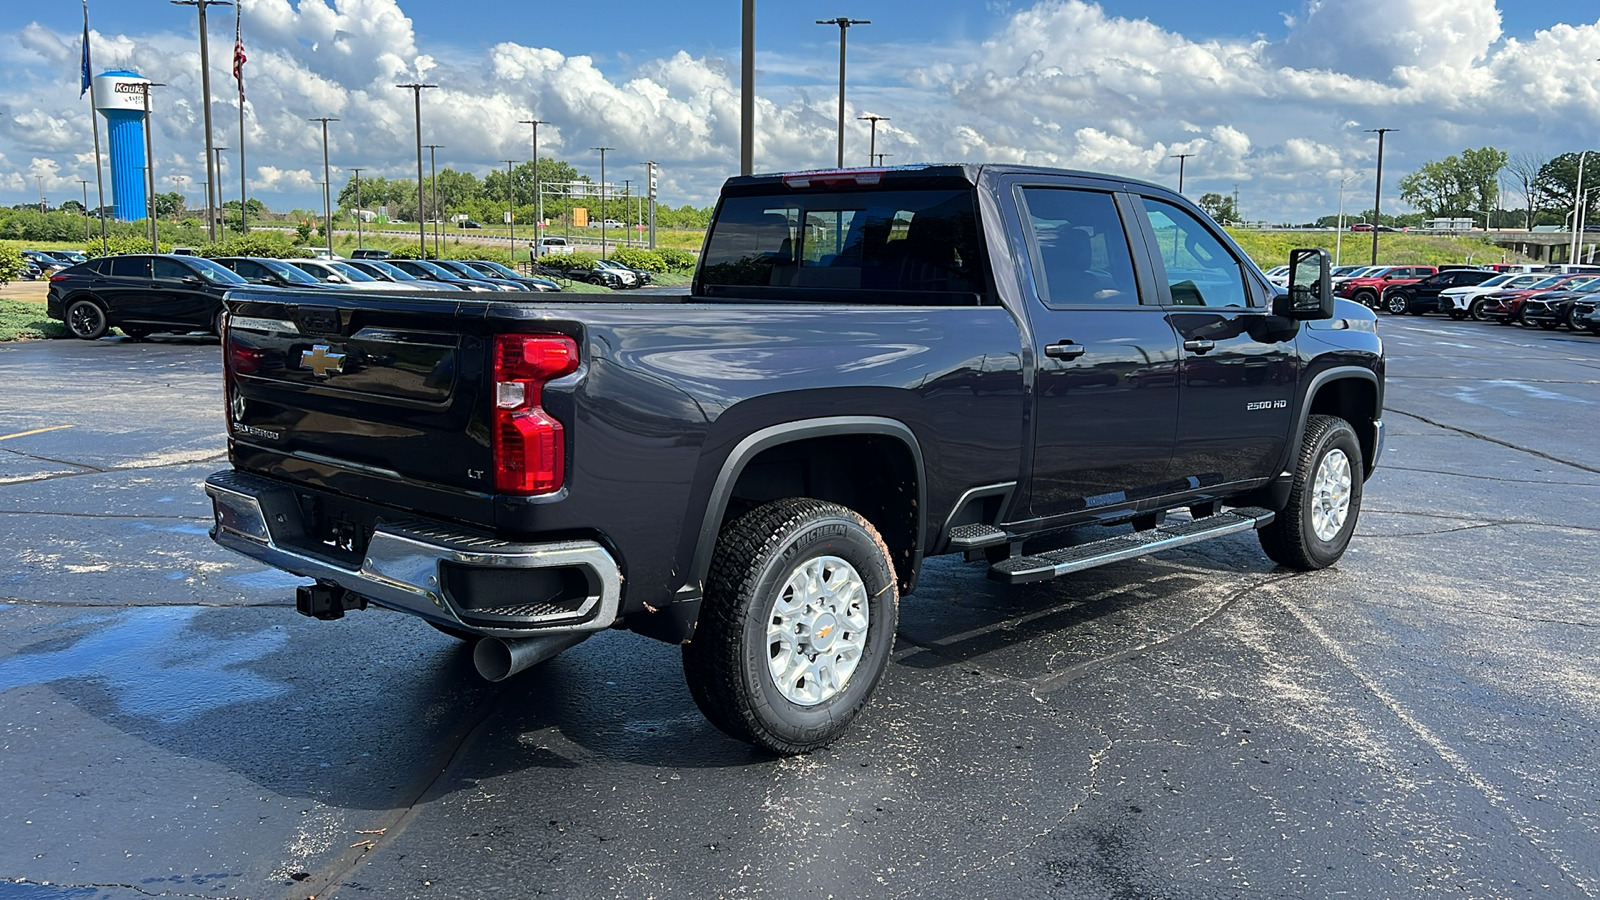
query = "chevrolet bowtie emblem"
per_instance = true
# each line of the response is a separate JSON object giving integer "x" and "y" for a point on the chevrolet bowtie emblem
{"x": 825, "y": 632}
{"x": 321, "y": 361}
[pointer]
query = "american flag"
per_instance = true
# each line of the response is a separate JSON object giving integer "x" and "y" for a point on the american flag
{"x": 238, "y": 56}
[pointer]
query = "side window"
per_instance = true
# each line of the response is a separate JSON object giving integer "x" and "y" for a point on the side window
{"x": 1080, "y": 248}
{"x": 130, "y": 266}
{"x": 171, "y": 269}
{"x": 1200, "y": 271}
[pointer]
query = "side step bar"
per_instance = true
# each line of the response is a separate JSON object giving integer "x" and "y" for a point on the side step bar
{"x": 1045, "y": 566}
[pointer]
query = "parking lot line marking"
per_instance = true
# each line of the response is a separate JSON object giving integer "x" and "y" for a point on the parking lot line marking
{"x": 7, "y": 437}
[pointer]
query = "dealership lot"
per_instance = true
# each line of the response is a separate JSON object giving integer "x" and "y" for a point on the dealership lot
{"x": 1423, "y": 718}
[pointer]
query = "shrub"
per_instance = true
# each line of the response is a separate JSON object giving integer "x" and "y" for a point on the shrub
{"x": 633, "y": 258}
{"x": 11, "y": 264}
{"x": 272, "y": 245}
{"x": 122, "y": 243}
{"x": 570, "y": 261}
{"x": 677, "y": 260}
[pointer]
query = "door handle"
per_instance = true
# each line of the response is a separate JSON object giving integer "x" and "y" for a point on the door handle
{"x": 1064, "y": 350}
{"x": 1200, "y": 348}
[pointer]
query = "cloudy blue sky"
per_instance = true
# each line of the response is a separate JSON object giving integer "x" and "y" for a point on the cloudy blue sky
{"x": 1270, "y": 95}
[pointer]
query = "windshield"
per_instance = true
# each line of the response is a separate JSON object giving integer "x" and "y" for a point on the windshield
{"x": 350, "y": 272}
{"x": 215, "y": 271}
{"x": 1496, "y": 281}
{"x": 429, "y": 267}
{"x": 1342, "y": 271}
{"x": 1550, "y": 282}
{"x": 286, "y": 272}
{"x": 459, "y": 268}
{"x": 924, "y": 241}
{"x": 494, "y": 267}
{"x": 391, "y": 270}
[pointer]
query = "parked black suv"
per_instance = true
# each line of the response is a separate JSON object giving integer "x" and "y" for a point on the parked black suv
{"x": 141, "y": 294}
{"x": 273, "y": 273}
{"x": 1423, "y": 296}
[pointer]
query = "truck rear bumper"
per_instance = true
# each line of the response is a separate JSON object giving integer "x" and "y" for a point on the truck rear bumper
{"x": 457, "y": 578}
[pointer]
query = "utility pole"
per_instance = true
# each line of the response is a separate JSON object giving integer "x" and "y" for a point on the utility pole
{"x": 85, "y": 184}
{"x": 747, "y": 89}
{"x": 205, "y": 89}
{"x": 433, "y": 192}
{"x": 872, "y": 148}
{"x": 40, "y": 179}
{"x": 422, "y": 230}
{"x": 1377, "y": 199}
{"x": 650, "y": 188}
{"x": 602, "y": 198}
{"x": 357, "y": 178}
{"x": 1182, "y": 158}
{"x": 150, "y": 162}
{"x": 511, "y": 205}
{"x": 327, "y": 182}
{"x": 627, "y": 205}
{"x": 1338, "y": 236}
{"x": 844, "y": 26}
{"x": 538, "y": 197}
{"x": 177, "y": 182}
{"x": 1577, "y": 202}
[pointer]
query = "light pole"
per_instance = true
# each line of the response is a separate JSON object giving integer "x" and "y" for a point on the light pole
{"x": 650, "y": 188}
{"x": 422, "y": 230}
{"x": 1181, "y": 158}
{"x": 40, "y": 179}
{"x": 357, "y": 178}
{"x": 747, "y": 88}
{"x": 150, "y": 161}
{"x": 844, "y": 26}
{"x": 880, "y": 157}
{"x": 1577, "y": 199}
{"x": 219, "y": 152}
{"x": 872, "y": 148}
{"x": 177, "y": 182}
{"x": 602, "y": 198}
{"x": 85, "y": 184}
{"x": 511, "y": 206}
{"x": 1338, "y": 236}
{"x": 327, "y": 182}
{"x": 538, "y": 194}
{"x": 433, "y": 192}
{"x": 1377, "y": 199}
{"x": 205, "y": 89}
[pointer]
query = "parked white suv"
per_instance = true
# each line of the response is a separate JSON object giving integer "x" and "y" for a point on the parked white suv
{"x": 1460, "y": 302}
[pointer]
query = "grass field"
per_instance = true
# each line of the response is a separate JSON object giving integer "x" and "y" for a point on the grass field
{"x": 22, "y": 320}
{"x": 1271, "y": 248}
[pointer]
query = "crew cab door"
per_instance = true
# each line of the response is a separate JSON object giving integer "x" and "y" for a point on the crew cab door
{"x": 1239, "y": 367}
{"x": 1106, "y": 378}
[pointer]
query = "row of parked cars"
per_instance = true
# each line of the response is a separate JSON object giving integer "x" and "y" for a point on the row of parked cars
{"x": 38, "y": 264}
{"x": 1548, "y": 297}
{"x": 145, "y": 293}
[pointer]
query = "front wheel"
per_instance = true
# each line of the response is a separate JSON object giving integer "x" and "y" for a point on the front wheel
{"x": 1475, "y": 311}
{"x": 85, "y": 319}
{"x": 1457, "y": 315}
{"x": 1573, "y": 322}
{"x": 1313, "y": 531}
{"x": 1367, "y": 298}
{"x": 796, "y": 626}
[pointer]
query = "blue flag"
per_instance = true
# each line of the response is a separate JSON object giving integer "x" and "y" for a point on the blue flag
{"x": 85, "y": 50}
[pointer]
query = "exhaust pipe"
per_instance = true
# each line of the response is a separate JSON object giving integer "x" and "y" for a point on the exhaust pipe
{"x": 500, "y": 658}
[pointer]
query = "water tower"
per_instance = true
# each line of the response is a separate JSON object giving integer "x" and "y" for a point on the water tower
{"x": 120, "y": 97}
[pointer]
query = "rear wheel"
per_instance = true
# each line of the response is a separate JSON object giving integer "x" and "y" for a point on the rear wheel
{"x": 85, "y": 319}
{"x": 796, "y": 626}
{"x": 1398, "y": 304}
{"x": 217, "y": 322}
{"x": 1313, "y": 531}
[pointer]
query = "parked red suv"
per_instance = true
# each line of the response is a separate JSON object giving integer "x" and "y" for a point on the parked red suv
{"x": 1367, "y": 290}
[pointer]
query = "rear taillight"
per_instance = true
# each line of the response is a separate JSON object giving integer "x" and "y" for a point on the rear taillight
{"x": 58, "y": 278}
{"x": 529, "y": 444}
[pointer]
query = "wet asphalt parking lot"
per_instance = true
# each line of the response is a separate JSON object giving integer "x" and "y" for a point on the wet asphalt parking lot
{"x": 1422, "y": 720}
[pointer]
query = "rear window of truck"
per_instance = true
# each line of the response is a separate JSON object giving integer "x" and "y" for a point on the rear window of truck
{"x": 918, "y": 246}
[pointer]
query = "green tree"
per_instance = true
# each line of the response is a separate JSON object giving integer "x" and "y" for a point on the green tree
{"x": 1557, "y": 182}
{"x": 1456, "y": 186}
{"x": 1220, "y": 208}
{"x": 169, "y": 205}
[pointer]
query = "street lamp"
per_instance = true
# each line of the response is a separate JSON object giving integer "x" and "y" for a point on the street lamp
{"x": 844, "y": 26}
{"x": 85, "y": 184}
{"x": 872, "y": 147}
{"x": 1181, "y": 158}
{"x": 511, "y": 206}
{"x": 880, "y": 157}
{"x": 357, "y": 178}
{"x": 1338, "y": 236}
{"x": 422, "y": 230}
{"x": 538, "y": 194}
{"x": 433, "y": 192}
{"x": 327, "y": 183}
{"x": 602, "y": 198}
{"x": 1377, "y": 199}
{"x": 150, "y": 161}
{"x": 747, "y": 87}
{"x": 205, "y": 89}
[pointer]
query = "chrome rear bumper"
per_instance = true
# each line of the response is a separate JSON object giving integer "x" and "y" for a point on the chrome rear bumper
{"x": 401, "y": 568}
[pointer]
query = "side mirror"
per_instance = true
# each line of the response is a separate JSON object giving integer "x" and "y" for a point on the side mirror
{"x": 1310, "y": 293}
{"x": 192, "y": 279}
{"x": 336, "y": 279}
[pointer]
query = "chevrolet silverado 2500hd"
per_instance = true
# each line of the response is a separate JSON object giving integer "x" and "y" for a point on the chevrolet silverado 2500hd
{"x": 871, "y": 367}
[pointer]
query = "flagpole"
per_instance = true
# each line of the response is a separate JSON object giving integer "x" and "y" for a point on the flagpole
{"x": 238, "y": 74}
{"x": 94, "y": 117}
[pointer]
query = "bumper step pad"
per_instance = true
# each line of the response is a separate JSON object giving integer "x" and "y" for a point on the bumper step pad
{"x": 1045, "y": 566}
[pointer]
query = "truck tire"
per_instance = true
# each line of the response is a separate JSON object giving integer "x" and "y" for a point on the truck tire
{"x": 1313, "y": 531}
{"x": 796, "y": 626}
{"x": 85, "y": 319}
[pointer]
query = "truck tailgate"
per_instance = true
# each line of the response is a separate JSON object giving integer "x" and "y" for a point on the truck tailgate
{"x": 361, "y": 393}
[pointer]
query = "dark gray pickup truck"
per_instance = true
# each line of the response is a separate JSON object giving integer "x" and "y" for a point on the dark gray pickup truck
{"x": 871, "y": 367}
